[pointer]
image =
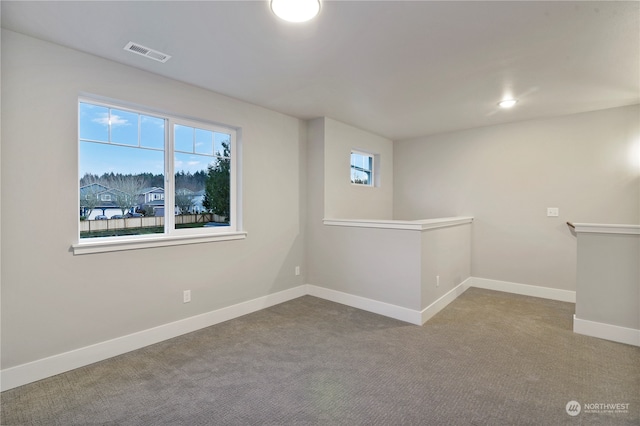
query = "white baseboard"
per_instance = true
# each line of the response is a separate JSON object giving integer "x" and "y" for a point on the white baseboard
{"x": 615, "y": 333}
{"x": 56, "y": 364}
{"x": 50, "y": 366}
{"x": 524, "y": 289}
{"x": 369, "y": 305}
{"x": 428, "y": 312}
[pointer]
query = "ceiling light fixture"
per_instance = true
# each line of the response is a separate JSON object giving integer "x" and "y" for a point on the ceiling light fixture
{"x": 295, "y": 10}
{"x": 507, "y": 103}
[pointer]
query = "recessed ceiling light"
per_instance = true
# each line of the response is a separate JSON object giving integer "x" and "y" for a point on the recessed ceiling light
{"x": 295, "y": 10}
{"x": 507, "y": 103}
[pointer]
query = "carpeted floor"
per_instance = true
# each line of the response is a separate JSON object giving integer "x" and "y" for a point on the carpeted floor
{"x": 489, "y": 358}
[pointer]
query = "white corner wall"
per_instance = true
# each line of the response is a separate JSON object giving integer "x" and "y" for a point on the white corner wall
{"x": 54, "y": 302}
{"x": 446, "y": 261}
{"x": 363, "y": 258}
{"x": 608, "y": 286}
{"x": 506, "y": 176}
{"x": 331, "y": 195}
{"x": 343, "y": 199}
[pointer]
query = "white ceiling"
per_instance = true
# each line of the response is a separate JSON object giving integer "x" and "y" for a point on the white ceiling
{"x": 400, "y": 69}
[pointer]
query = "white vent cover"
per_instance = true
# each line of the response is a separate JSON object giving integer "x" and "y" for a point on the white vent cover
{"x": 147, "y": 52}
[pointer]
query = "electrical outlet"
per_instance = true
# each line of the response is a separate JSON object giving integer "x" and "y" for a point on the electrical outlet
{"x": 297, "y": 270}
{"x": 553, "y": 211}
{"x": 437, "y": 280}
{"x": 186, "y": 296}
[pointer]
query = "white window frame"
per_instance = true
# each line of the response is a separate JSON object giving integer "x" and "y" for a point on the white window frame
{"x": 169, "y": 198}
{"x": 372, "y": 179}
{"x": 170, "y": 236}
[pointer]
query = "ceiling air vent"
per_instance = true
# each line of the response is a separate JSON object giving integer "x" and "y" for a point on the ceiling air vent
{"x": 145, "y": 51}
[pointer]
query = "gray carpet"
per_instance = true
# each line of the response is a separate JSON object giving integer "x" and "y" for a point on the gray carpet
{"x": 489, "y": 358}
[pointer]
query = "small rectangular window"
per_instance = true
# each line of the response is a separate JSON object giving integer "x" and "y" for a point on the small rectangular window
{"x": 362, "y": 168}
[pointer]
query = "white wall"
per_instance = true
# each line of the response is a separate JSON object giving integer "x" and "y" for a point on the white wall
{"x": 343, "y": 199}
{"x": 446, "y": 261}
{"x": 336, "y": 255}
{"x": 53, "y": 301}
{"x": 609, "y": 279}
{"x": 506, "y": 176}
{"x": 379, "y": 264}
{"x": 392, "y": 268}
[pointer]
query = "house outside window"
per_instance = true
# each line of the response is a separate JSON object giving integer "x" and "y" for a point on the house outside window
{"x": 362, "y": 168}
{"x": 132, "y": 163}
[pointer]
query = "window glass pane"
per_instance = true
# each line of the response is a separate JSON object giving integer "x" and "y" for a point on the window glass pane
{"x": 183, "y": 138}
{"x": 94, "y": 122}
{"x": 151, "y": 132}
{"x": 361, "y": 168}
{"x": 222, "y": 144}
{"x": 360, "y": 178}
{"x": 108, "y": 195}
{"x": 185, "y": 164}
{"x": 115, "y": 179}
{"x": 201, "y": 191}
{"x": 204, "y": 142}
{"x": 217, "y": 190}
{"x": 124, "y": 127}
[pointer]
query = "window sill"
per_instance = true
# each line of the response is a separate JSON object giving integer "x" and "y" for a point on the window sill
{"x": 89, "y": 247}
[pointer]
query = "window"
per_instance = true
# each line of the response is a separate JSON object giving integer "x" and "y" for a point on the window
{"x": 362, "y": 168}
{"x": 175, "y": 176}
